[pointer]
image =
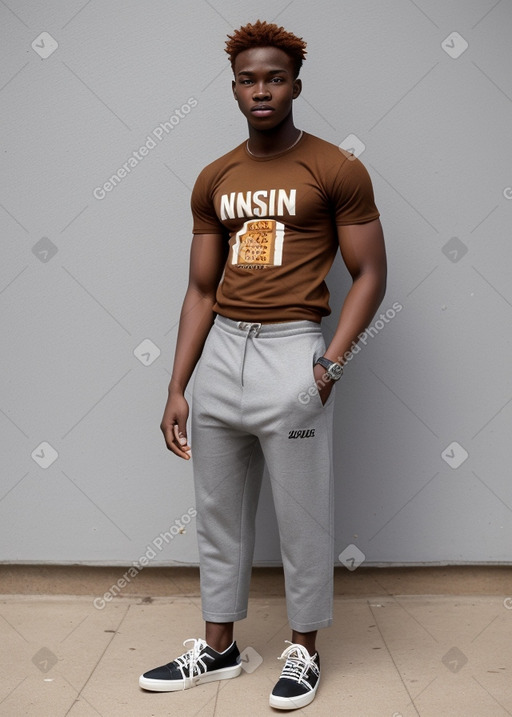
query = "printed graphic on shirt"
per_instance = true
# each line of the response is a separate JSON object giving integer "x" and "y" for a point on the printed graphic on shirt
{"x": 262, "y": 203}
{"x": 259, "y": 243}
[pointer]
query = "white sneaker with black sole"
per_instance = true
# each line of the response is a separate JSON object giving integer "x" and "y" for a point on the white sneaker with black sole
{"x": 299, "y": 679}
{"x": 200, "y": 664}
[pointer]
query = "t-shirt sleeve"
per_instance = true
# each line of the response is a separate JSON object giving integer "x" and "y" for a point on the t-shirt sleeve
{"x": 352, "y": 194}
{"x": 205, "y": 220}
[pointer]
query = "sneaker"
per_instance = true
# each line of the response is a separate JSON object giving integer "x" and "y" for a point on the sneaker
{"x": 200, "y": 664}
{"x": 299, "y": 679}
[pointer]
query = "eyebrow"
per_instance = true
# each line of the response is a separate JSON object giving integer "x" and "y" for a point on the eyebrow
{"x": 270, "y": 72}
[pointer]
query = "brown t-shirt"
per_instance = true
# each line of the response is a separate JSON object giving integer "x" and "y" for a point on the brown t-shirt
{"x": 280, "y": 215}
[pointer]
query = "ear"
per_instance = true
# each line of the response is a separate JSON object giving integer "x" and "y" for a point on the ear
{"x": 233, "y": 87}
{"x": 297, "y": 88}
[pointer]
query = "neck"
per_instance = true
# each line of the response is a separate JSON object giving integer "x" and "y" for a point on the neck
{"x": 264, "y": 143}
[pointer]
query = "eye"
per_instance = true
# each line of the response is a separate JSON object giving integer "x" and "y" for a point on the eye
{"x": 277, "y": 80}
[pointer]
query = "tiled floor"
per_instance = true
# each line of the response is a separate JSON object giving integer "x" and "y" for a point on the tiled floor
{"x": 386, "y": 655}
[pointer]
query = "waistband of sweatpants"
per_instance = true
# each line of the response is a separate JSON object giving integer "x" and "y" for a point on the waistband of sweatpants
{"x": 287, "y": 328}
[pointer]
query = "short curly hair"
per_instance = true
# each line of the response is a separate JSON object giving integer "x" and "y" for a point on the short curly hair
{"x": 264, "y": 34}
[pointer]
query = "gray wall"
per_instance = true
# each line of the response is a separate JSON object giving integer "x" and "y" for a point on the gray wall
{"x": 91, "y": 281}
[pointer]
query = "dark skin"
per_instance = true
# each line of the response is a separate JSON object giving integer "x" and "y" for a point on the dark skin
{"x": 265, "y": 88}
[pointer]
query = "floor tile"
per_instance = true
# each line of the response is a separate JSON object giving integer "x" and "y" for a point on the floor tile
{"x": 384, "y": 656}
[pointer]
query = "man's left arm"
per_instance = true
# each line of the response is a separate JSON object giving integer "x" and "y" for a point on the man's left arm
{"x": 364, "y": 254}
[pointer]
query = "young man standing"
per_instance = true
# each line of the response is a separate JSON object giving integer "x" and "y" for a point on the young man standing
{"x": 269, "y": 217}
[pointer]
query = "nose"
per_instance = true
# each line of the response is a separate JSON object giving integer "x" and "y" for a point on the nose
{"x": 261, "y": 92}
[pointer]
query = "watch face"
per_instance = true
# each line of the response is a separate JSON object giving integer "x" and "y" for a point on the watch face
{"x": 335, "y": 371}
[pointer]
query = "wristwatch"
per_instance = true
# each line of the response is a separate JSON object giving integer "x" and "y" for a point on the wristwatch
{"x": 334, "y": 370}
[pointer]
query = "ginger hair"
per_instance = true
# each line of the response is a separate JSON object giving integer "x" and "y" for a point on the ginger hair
{"x": 264, "y": 34}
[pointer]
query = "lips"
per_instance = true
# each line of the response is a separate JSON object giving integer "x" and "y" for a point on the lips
{"x": 262, "y": 110}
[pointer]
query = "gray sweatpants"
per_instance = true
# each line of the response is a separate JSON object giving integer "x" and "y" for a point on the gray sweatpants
{"x": 254, "y": 403}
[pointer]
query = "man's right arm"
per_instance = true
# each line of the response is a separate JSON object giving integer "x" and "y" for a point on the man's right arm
{"x": 207, "y": 258}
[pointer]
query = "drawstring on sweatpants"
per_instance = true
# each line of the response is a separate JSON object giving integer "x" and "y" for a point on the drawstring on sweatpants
{"x": 252, "y": 330}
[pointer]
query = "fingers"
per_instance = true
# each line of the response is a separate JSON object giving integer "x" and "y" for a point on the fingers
{"x": 174, "y": 426}
{"x": 180, "y": 443}
{"x": 175, "y": 440}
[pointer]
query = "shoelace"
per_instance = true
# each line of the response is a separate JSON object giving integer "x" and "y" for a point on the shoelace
{"x": 298, "y": 662}
{"x": 191, "y": 660}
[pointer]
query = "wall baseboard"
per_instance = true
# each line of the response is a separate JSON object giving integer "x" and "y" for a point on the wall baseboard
{"x": 266, "y": 581}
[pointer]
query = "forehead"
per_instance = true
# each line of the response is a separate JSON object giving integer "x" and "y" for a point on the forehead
{"x": 260, "y": 59}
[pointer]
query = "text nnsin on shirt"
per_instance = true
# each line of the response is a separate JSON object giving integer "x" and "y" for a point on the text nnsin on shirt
{"x": 262, "y": 203}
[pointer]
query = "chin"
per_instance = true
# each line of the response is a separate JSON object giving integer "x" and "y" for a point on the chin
{"x": 265, "y": 123}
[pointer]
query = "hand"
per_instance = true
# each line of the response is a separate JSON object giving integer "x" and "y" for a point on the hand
{"x": 324, "y": 385}
{"x": 174, "y": 425}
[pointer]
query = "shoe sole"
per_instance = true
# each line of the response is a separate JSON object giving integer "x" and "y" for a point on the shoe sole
{"x": 293, "y": 703}
{"x": 226, "y": 673}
